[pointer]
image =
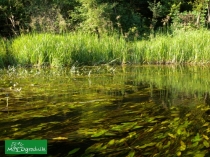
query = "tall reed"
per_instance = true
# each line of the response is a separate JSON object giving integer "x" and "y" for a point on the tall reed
{"x": 181, "y": 47}
{"x": 3, "y": 52}
{"x": 87, "y": 49}
{"x": 68, "y": 48}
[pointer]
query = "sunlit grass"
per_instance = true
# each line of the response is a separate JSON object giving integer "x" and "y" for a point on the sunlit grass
{"x": 57, "y": 50}
{"x": 87, "y": 49}
{"x": 2, "y": 52}
{"x": 181, "y": 47}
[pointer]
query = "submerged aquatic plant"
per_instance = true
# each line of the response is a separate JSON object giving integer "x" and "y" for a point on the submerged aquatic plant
{"x": 7, "y": 101}
{"x": 131, "y": 113}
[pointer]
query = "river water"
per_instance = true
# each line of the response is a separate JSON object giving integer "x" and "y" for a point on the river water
{"x": 108, "y": 110}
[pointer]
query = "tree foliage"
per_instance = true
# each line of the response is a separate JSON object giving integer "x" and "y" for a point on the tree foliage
{"x": 130, "y": 18}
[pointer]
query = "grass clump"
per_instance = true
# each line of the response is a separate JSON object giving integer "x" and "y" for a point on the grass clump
{"x": 64, "y": 50}
{"x": 3, "y": 52}
{"x": 182, "y": 47}
{"x": 87, "y": 49}
{"x": 39, "y": 49}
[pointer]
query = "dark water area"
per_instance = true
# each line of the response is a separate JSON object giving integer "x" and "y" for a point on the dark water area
{"x": 108, "y": 111}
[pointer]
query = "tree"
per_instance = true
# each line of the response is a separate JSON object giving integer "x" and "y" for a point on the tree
{"x": 12, "y": 17}
{"x": 156, "y": 9}
{"x": 202, "y": 9}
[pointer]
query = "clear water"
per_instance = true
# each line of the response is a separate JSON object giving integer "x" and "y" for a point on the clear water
{"x": 108, "y": 111}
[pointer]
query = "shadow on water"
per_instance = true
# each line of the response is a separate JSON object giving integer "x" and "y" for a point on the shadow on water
{"x": 133, "y": 111}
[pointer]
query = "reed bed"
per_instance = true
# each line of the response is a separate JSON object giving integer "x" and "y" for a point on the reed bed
{"x": 181, "y": 47}
{"x": 65, "y": 50}
{"x": 87, "y": 49}
{"x": 3, "y": 52}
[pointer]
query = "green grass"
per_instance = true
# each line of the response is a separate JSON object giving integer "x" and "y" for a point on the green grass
{"x": 182, "y": 47}
{"x": 67, "y": 49}
{"x": 3, "y": 52}
{"x": 86, "y": 49}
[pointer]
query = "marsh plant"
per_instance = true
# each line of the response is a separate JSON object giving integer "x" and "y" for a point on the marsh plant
{"x": 189, "y": 47}
{"x": 2, "y": 52}
{"x": 180, "y": 47}
{"x": 64, "y": 50}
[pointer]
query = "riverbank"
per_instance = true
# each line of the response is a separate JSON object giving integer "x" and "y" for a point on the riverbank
{"x": 191, "y": 47}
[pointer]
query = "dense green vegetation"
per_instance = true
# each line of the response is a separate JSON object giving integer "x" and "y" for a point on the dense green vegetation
{"x": 191, "y": 47}
{"x": 182, "y": 47}
{"x": 106, "y": 110}
{"x": 2, "y": 52}
{"x": 124, "y": 17}
{"x": 65, "y": 50}
{"x": 93, "y": 32}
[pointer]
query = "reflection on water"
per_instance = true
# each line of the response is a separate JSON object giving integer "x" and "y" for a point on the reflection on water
{"x": 109, "y": 111}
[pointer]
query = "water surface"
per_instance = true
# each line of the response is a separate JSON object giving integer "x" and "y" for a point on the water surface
{"x": 109, "y": 111}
